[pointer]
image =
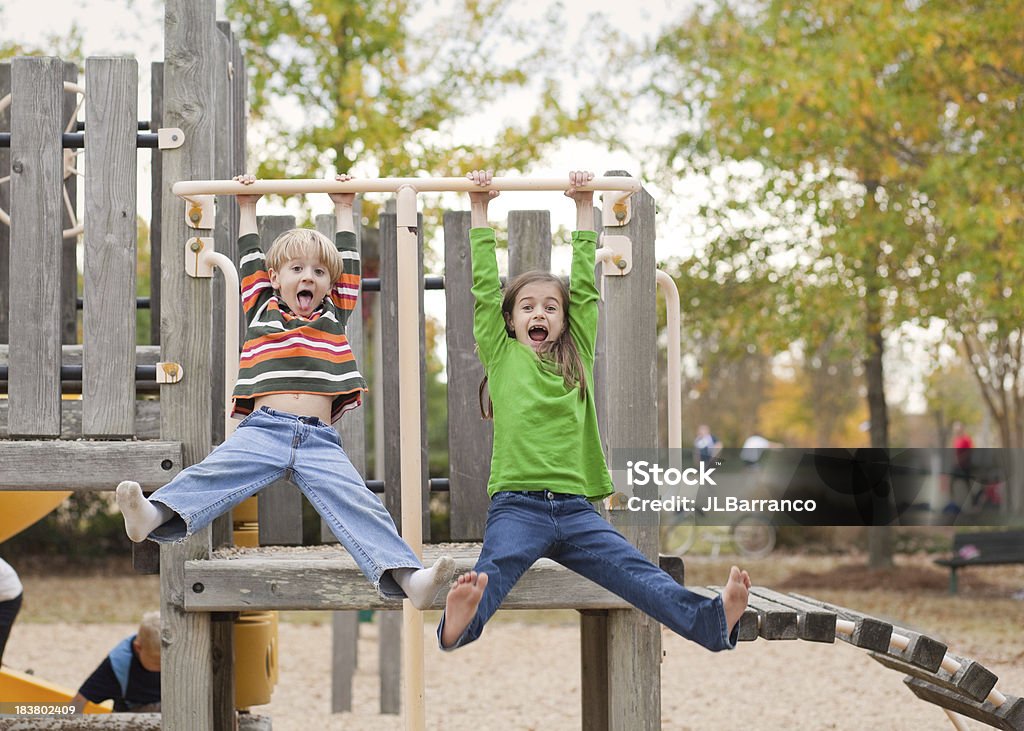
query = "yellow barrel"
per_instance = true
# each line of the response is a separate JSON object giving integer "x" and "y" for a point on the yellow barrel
{"x": 255, "y": 658}
{"x": 246, "y": 535}
{"x": 246, "y": 511}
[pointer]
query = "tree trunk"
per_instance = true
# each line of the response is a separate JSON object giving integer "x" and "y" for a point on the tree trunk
{"x": 880, "y": 538}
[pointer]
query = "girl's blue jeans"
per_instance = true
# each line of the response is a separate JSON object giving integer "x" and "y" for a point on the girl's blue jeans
{"x": 267, "y": 446}
{"x": 524, "y": 526}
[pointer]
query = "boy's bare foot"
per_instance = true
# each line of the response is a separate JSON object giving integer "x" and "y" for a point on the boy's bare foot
{"x": 460, "y": 607}
{"x": 734, "y": 596}
{"x": 141, "y": 517}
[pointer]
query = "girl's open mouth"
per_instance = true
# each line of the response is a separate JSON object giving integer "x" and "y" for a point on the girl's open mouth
{"x": 538, "y": 333}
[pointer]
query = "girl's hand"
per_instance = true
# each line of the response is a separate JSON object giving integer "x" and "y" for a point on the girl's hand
{"x": 246, "y": 199}
{"x": 343, "y": 199}
{"x": 579, "y": 178}
{"x": 482, "y": 178}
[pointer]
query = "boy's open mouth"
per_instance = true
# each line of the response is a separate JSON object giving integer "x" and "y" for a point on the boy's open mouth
{"x": 538, "y": 333}
{"x": 305, "y": 299}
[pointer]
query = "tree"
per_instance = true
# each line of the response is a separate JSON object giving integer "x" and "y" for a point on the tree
{"x": 378, "y": 84}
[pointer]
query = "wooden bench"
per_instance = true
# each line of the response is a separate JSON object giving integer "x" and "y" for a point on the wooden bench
{"x": 983, "y": 549}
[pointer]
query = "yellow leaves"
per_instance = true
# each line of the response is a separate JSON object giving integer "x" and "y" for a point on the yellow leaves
{"x": 932, "y": 41}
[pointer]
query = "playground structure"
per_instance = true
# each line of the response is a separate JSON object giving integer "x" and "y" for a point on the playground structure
{"x": 203, "y": 102}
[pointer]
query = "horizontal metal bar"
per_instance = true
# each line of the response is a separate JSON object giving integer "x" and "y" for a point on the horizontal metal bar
{"x": 299, "y": 186}
{"x": 437, "y": 484}
{"x": 74, "y": 373}
{"x": 141, "y": 303}
{"x": 76, "y": 140}
{"x": 143, "y": 124}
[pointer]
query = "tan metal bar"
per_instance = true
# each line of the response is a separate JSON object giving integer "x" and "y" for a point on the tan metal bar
{"x": 409, "y": 395}
{"x": 231, "y": 306}
{"x": 299, "y": 186}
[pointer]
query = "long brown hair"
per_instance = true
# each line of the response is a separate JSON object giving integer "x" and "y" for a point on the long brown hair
{"x": 562, "y": 354}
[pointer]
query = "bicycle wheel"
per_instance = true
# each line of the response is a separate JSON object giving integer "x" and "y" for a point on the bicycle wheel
{"x": 679, "y": 536}
{"x": 753, "y": 536}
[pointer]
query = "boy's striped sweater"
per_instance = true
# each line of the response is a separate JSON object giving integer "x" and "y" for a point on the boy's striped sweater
{"x": 286, "y": 353}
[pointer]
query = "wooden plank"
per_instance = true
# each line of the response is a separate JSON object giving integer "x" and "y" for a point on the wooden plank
{"x": 222, "y": 648}
{"x": 634, "y": 653}
{"x": 239, "y": 119}
{"x": 390, "y": 386}
{"x": 280, "y": 504}
{"x": 973, "y": 679}
{"x": 36, "y": 243}
{"x": 529, "y": 241}
{"x": 88, "y": 466}
{"x": 469, "y": 435}
{"x": 72, "y": 354}
{"x": 5, "y": 204}
{"x": 69, "y": 247}
{"x": 156, "y": 115}
{"x": 869, "y": 633}
{"x": 814, "y": 624}
{"x": 147, "y": 419}
{"x": 776, "y": 622}
{"x": 390, "y": 639}
{"x": 1008, "y": 716}
{"x": 344, "y": 654}
{"x": 108, "y": 373}
{"x": 187, "y": 676}
{"x": 314, "y": 577}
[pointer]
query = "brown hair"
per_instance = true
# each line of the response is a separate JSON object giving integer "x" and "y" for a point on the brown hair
{"x": 298, "y": 242}
{"x": 562, "y": 354}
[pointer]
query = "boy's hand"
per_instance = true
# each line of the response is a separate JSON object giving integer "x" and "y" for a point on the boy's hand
{"x": 579, "y": 178}
{"x": 343, "y": 199}
{"x": 247, "y": 199}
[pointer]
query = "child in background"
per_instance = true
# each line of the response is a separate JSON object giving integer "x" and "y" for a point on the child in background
{"x": 297, "y": 375}
{"x": 10, "y": 602}
{"x": 537, "y": 347}
{"x": 130, "y": 674}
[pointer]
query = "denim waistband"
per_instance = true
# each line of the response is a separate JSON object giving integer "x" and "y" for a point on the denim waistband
{"x": 546, "y": 494}
{"x": 311, "y": 420}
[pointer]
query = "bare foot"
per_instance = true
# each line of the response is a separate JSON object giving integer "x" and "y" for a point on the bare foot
{"x": 460, "y": 606}
{"x": 734, "y": 596}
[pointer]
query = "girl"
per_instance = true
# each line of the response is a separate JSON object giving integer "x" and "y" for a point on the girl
{"x": 537, "y": 347}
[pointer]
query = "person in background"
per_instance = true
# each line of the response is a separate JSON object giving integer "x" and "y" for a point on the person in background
{"x": 10, "y": 602}
{"x": 130, "y": 674}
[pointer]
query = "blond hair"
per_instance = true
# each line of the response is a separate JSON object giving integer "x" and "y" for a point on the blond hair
{"x": 298, "y": 242}
{"x": 149, "y": 633}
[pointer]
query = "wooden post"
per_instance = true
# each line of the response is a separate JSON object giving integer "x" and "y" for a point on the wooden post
{"x": 531, "y": 230}
{"x": 37, "y": 91}
{"x": 390, "y": 648}
{"x": 634, "y": 639}
{"x": 280, "y": 504}
{"x": 469, "y": 435}
{"x": 189, "y": 70}
{"x": 5, "y": 203}
{"x": 108, "y": 367}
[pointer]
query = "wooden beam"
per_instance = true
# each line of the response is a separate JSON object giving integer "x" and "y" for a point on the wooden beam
{"x": 1009, "y": 716}
{"x": 61, "y": 465}
{"x": 328, "y": 578}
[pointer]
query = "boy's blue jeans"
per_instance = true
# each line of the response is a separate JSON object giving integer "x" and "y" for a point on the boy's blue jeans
{"x": 524, "y": 526}
{"x": 267, "y": 446}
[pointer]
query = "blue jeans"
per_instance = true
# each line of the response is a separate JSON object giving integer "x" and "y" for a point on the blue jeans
{"x": 524, "y": 526}
{"x": 269, "y": 445}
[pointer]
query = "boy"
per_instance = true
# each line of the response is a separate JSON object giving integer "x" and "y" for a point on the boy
{"x": 297, "y": 375}
{"x": 130, "y": 674}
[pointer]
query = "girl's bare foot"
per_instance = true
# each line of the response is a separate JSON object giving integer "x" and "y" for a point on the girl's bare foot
{"x": 734, "y": 596}
{"x": 460, "y": 607}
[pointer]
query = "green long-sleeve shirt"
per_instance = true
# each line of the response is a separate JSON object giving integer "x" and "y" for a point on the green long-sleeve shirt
{"x": 545, "y": 436}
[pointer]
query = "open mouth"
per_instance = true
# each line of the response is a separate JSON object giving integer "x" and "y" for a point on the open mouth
{"x": 538, "y": 333}
{"x": 305, "y": 299}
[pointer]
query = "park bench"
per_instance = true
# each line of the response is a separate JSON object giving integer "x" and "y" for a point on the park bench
{"x": 984, "y": 548}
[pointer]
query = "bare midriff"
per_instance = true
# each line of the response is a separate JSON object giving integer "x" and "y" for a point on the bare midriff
{"x": 300, "y": 404}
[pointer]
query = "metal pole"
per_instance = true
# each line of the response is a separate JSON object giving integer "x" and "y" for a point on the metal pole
{"x": 409, "y": 396}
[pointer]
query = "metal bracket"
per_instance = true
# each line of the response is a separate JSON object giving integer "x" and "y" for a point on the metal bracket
{"x": 195, "y": 264}
{"x": 618, "y": 210}
{"x": 169, "y": 372}
{"x": 200, "y": 212}
{"x": 169, "y": 138}
{"x": 622, "y": 261}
